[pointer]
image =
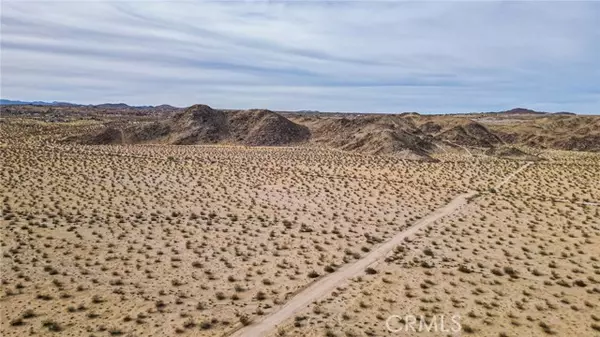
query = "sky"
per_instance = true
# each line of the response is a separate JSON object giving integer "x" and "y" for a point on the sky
{"x": 360, "y": 56}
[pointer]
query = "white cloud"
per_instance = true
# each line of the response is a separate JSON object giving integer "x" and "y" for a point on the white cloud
{"x": 359, "y": 56}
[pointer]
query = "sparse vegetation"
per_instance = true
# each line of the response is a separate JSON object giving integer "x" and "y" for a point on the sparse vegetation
{"x": 125, "y": 239}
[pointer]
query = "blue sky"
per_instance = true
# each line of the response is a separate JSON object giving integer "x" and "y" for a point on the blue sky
{"x": 382, "y": 56}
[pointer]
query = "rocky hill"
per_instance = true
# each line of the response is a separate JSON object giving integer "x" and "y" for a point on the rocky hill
{"x": 200, "y": 124}
{"x": 469, "y": 133}
{"x": 409, "y": 135}
{"x": 421, "y": 135}
{"x": 387, "y": 134}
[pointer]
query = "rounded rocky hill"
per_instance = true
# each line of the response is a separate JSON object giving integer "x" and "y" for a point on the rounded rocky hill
{"x": 200, "y": 124}
{"x": 265, "y": 128}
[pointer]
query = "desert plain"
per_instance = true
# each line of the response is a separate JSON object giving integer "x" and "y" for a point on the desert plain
{"x": 169, "y": 235}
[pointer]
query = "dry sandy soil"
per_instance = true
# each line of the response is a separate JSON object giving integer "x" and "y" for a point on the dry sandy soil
{"x": 146, "y": 240}
{"x": 519, "y": 260}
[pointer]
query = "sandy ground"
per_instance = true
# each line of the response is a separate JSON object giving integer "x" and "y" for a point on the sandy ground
{"x": 325, "y": 285}
{"x": 510, "y": 263}
{"x": 202, "y": 240}
{"x": 160, "y": 240}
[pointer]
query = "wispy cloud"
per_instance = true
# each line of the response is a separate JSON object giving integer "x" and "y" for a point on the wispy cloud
{"x": 353, "y": 56}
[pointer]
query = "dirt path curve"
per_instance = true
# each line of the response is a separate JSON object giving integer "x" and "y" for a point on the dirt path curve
{"x": 325, "y": 285}
{"x": 462, "y": 147}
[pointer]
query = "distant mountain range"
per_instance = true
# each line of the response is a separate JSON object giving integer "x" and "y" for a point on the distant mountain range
{"x": 55, "y": 103}
{"x": 523, "y": 111}
{"x": 515, "y": 111}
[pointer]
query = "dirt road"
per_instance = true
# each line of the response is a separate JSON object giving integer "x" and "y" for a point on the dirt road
{"x": 510, "y": 176}
{"x": 325, "y": 285}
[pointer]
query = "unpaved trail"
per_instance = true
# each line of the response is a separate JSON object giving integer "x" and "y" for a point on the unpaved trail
{"x": 510, "y": 176}
{"x": 325, "y": 285}
{"x": 585, "y": 203}
{"x": 462, "y": 147}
